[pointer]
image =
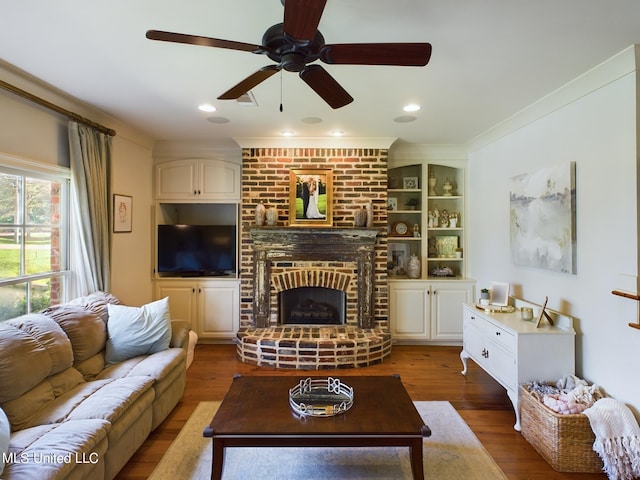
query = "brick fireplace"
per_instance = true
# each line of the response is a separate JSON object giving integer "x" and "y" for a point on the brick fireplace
{"x": 337, "y": 257}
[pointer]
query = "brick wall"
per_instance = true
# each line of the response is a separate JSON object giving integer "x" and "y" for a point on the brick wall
{"x": 359, "y": 177}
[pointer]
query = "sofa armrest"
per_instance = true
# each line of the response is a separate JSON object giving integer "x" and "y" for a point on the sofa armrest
{"x": 179, "y": 334}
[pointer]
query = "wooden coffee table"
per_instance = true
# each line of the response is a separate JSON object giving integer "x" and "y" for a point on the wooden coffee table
{"x": 256, "y": 413}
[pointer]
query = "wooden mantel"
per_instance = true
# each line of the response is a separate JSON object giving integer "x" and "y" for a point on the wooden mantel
{"x": 314, "y": 244}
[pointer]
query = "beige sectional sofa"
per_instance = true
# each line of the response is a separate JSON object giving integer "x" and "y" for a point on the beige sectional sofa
{"x": 73, "y": 412}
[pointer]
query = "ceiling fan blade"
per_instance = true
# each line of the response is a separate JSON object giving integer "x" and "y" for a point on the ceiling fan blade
{"x": 395, "y": 54}
{"x": 204, "y": 41}
{"x": 301, "y": 18}
{"x": 248, "y": 83}
{"x": 326, "y": 86}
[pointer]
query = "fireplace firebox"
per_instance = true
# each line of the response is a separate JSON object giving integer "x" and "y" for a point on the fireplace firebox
{"x": 312, "y": 306}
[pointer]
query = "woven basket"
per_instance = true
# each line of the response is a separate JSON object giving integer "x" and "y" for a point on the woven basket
{"x": 564, "y": 441}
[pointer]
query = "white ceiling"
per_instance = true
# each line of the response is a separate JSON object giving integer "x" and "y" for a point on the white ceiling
{"x": 491, "y": 58}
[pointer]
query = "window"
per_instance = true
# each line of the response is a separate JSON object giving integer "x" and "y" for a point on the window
{"x": 34, "y": 235}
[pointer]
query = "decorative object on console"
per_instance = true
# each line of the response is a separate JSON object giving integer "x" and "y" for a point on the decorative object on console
{"x": 543, "y": 313}
{"x": 484, "y": 296}
{"x": 526, "y": 313}
{"x": 500, "y": 294}
{"x": 310, "y": 197}
{"x": 413, "y": 267}
{"x": 323, "y": 397}
{"x": 412, "y": 203}
{"x": 447, "y": 188}
{"x": 543, "y": 219}
{"x": 432, "y": 183}
{"x": 260, "y": 214}
{"x": 360, "y": 217}
{"x": 271, "y": 216}
{"x": 369, "y": 208}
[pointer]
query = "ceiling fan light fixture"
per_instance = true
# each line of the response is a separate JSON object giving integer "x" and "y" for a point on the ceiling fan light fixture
{"x": 412, "y": 107}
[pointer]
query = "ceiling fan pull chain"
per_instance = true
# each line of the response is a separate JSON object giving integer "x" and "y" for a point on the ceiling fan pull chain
{"x": 281, "y": 107}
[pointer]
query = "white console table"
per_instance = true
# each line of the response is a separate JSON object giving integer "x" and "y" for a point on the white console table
{"x": 514, "y": 351}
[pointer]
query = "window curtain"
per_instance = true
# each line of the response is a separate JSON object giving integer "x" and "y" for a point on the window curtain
{"x": 90, "y": 239}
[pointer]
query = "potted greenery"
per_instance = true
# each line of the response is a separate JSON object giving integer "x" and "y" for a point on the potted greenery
{"x": 411, "y": 203}
{"x": 484, "y": 296}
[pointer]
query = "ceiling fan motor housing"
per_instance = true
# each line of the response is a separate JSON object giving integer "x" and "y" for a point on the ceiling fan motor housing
{"x": 290, "y": 53}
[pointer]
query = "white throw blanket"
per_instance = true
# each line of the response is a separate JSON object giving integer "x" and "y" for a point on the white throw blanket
{"x": 617, "y": 438}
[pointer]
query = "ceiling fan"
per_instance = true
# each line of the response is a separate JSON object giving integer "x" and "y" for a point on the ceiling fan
{"x": 295, "y": 44}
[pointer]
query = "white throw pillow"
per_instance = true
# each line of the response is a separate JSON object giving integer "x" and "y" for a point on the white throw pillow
{"x": 5, "y": 433}
{"x": 137, "y": 331}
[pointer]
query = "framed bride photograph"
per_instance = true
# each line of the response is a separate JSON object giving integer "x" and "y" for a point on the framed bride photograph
{"x": 310, "y": 197}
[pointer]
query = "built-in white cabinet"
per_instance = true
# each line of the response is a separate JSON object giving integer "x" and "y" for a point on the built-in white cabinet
{"x": 428, "y": 311}
{"x": 198, "y": 180}
{"x": 210, "y": 306}
{"x": 514, "y": 351}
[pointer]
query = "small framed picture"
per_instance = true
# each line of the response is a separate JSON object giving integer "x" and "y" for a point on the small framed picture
{"x": 410, "y": 183}
{"x": 392, "y": 204}
{"x": 122, "y": 213}
{"x": 397, "y": 255}
{"x": 500, "y": 293}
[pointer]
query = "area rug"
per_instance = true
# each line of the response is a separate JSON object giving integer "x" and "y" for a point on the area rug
{"x": 452, "y": 452}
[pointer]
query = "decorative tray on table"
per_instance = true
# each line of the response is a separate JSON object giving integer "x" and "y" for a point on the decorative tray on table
{"x": 321, "y": 397}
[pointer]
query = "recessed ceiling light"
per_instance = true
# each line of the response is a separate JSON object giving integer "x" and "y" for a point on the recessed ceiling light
{"x": 412, "y": 107}
{"x": 287, "y": 133}
{"x": 205, "y": 107}
{"x": 336, "y": 133}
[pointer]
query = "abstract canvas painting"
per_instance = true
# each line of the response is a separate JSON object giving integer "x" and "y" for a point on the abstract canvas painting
{"x": 543, "y": 219}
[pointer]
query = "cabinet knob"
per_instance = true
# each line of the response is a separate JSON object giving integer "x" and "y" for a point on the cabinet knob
{"x": 498, "y": 333}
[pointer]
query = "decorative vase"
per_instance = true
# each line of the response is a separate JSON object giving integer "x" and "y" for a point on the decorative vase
{"x": 360, "y": 217}
{"x": 369, "y": 209}
{"x": 432, "y": 186}
{"x": 447, "y": 187}
{"x": 271, "y": 216}
{"x": 413, "y": 267}
{"x": 260, "y": 214}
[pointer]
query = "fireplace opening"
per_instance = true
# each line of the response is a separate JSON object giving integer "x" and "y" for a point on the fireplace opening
{"x": 312, "y": 306}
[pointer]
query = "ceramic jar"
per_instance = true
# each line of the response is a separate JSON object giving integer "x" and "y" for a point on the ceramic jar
{"x": 360, "y": 217}
{"x": 260, "y": 214}
{"x": 413, "y": 267}
{"x": 271, "y": 216}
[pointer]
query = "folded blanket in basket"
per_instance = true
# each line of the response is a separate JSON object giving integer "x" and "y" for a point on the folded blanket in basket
{"x": 617, "y": 438}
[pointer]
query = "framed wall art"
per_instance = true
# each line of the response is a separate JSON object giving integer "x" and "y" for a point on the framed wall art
{"x": 122, "y": 213}
{"x": 310, "y": 197}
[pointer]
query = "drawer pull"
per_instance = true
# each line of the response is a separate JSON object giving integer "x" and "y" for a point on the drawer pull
{"x": 498, "y": 333}
{"x": 485, "y": 353}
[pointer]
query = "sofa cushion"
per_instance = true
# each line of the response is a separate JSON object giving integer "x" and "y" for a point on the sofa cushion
{"x": 96, "y": 302}
{"x": 5, "y": 433}
{"x": 36, "y": 448}
{"x": 86, "y": 330}
{"x": 137, "y": 331}
{"x": 32, "y": 347}
{"x": 23, "y": 409}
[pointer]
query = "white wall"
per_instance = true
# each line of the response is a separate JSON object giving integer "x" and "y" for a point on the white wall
{"x": 591, "y": 122}
{"x": 36, "y": 134}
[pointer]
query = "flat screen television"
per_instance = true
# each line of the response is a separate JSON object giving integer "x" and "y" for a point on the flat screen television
{"x": 196, "y": 250}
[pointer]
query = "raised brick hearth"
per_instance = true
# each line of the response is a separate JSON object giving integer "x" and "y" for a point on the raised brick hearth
{"x": 353, "y": 260}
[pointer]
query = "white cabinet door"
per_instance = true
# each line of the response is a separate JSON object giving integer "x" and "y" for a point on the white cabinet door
{"x": 181, "y": 300}
{"x": 176, "y": 180}
{"x": 409, "y": 310}
{"x": 447, "y": 300}
{"x": 198, "y": 180}
{"x": 218, "y": 305}
{"x": 218, "y": 181}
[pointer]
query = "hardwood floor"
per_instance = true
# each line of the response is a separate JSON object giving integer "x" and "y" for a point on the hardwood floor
{"x": 428, "y": 373}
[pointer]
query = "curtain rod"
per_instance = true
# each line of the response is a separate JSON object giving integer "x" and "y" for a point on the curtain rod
{"x": 56, "y": 108}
